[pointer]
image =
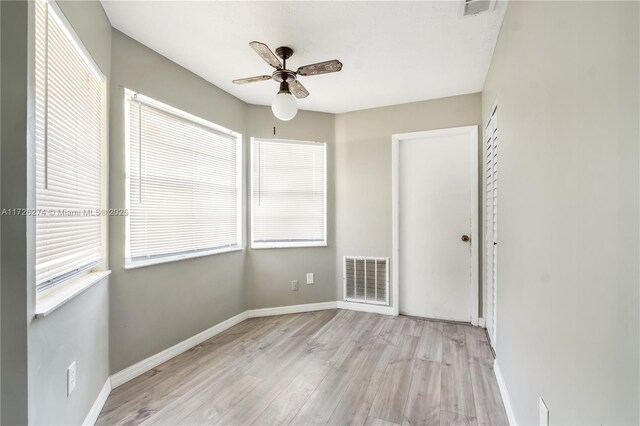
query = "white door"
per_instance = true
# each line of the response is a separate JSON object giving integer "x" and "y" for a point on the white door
{"x": 436, "y": 220}
{"x": 491, "y": 224}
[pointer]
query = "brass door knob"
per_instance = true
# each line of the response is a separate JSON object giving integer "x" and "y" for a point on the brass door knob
{"x": 465, "y": 238}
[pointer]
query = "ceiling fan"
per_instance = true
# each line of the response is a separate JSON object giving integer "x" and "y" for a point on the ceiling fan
{"x": 284, "y": 105}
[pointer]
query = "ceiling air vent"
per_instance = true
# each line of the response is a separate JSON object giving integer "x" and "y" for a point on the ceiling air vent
{"x": 475, "y": 7}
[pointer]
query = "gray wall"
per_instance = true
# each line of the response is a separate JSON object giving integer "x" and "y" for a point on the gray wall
{"x": 78, "y": 331}
{"x": 565, "y": 76}
{"x": 363, "y": 168}
{"x": 269, "y": 272}
{"x": 155, "y": 307}
{"x": 13, "y": 166}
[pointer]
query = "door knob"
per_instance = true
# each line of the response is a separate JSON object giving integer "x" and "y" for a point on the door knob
{"x": 465, "y": 238}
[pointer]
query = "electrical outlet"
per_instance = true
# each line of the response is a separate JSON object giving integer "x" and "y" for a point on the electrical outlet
{"x": 71, "y": 378}
{"x": 310, "y": 278}
{"x": 544, "y": 413}
{"x": 294, "y": 285}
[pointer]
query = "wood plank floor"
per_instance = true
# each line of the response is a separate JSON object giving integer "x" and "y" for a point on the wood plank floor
{"x": 327, "y": 367}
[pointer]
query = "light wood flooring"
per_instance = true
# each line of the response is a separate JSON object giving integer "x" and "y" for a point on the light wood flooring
{"x": 327, "y": 367}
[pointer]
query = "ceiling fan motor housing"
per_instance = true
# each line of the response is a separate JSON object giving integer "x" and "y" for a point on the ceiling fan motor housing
{"x": 283, "y": 75}
{"x": 284, "y": 52}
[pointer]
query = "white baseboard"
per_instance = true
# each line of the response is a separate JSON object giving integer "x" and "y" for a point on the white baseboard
{"x": 293, "y": 309}
{"x": 482, "y": 323}
{"x": 94, "y": 412}
{"x": 365, "y": 307}
{"x": 153, "y": 361}
{"x": 505, "y": 394}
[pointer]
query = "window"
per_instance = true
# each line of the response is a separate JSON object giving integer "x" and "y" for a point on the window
{"x": 288, "y": 193}
{"x": 184, "y": 184}
{"x": 70, "y": 151}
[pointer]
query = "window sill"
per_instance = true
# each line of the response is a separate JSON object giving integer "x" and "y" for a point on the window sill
{"x": 168, "y": 259}
{"x": 287, "y": 245}
{"x": 51, "y": 299}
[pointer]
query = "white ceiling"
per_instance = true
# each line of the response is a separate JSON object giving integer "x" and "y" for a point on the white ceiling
{"x": 393, "y": 52}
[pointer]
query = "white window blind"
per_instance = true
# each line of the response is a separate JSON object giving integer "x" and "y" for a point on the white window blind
{"x": 288, "y": 193}
{"x": 70, "y": 142}
{"x": 184, "y": 182}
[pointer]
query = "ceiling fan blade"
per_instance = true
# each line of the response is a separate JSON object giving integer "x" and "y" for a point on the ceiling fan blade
{"x": 320, "y": 68}
{"x": 252, "y": 79}
{"x": 298, "y": 89}
{"x": 266, "y": 54}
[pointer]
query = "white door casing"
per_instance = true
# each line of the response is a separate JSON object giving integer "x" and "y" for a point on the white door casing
{"x": 435, "y": 203}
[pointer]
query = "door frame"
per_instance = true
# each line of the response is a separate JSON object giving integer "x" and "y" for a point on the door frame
{"x": 396, "y": 139}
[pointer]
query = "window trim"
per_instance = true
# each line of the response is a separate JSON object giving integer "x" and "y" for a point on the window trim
{"x": 53, "y": 9}
{"x": 53, "y": 298}
{"x": 285, "y": 244}
{"x": 75, "y": 39}
{"x": 174, "y": 257}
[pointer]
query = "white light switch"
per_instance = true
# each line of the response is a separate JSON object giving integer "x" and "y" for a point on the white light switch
{"x": 544, "y": 414}
{"x": 310, "y": 278}
{"x": 294, "y": 285}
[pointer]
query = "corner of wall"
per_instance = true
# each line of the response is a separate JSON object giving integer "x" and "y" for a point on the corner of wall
{"x": 14, "y": 83}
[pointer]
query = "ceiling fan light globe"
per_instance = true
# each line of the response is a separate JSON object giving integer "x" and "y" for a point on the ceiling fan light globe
{"x": 284, "y": 106}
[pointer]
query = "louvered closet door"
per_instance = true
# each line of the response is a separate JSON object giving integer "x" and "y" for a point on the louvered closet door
{"x": 491, "y": 223}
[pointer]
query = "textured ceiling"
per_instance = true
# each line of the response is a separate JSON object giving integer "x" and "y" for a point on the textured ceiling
{"x": 393, "y": 52}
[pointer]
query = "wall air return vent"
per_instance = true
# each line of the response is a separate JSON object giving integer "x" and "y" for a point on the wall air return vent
{"x": 366, "y": 279}
{"x": 475, "y": 7}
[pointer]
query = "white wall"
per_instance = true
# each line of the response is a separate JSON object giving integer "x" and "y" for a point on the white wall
{"x": 565, "y": 76}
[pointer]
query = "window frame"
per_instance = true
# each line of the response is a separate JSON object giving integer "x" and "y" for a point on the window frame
{"x": 285, "y": 244}
{"x": 128, "y": 264}
{"x": 52, "y": 9}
